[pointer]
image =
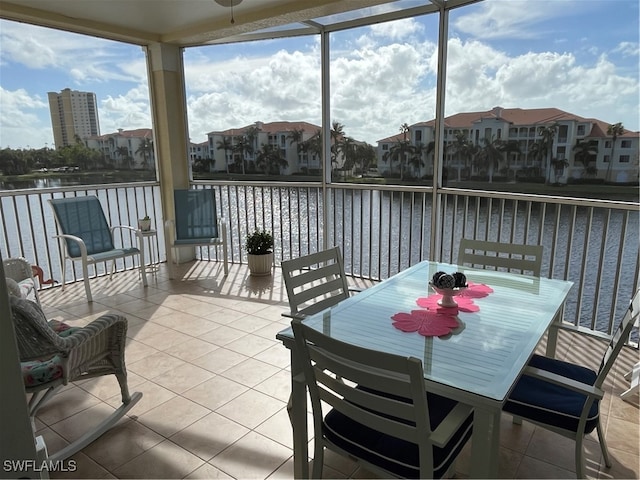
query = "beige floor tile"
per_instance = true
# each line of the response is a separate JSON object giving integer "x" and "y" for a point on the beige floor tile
{"x": 207, "y": 471}
{"x": 66, "y": 404}
{"x": 250, "y": 344}
{"x": 152, "y": 396}
{"x": 534, "y": 468}
{"x": 173, "y": 415}
{"x": 165, "y": 460}
{"x": 220, "y": 360}
{"x": 277, "y": 428}
{"x": 223, "y": 335}
{"x": 124, "y": 442}
{"x": 623, "y": 465}
{"x": 183, "y": 377}
{"x": 250, "y": 372}
{"x": 210, "y": 435}
{"x": 277, "y": 386}
{"x": 251, "y": 408}
{"x": 155, "y": 364}
{"x": 622, "y": 435}
{"x": 250, "y": 323}
{"x": 73, "y": 427}
{"x": 266, "y": 456}
{"x": 276, "y": 355}
{"x": 191, "y": 349}
{"x": 79, "y": 466}
{"x": 215, "y": 392}
{"x": 136, "y": 350}
{"x": 164, "y": 340}
{"x": 186, "y": 323}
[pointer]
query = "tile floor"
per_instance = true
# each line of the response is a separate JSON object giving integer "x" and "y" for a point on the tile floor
{"x": 215, "y": 383}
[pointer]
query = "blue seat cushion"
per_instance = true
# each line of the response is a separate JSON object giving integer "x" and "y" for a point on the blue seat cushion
{"x": 114, "y": 253}
{"x": 393, "y": 454}
{"x": 552, "y": 404}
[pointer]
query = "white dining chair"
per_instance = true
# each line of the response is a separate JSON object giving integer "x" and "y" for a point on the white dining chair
{"x": 509, "y": 257}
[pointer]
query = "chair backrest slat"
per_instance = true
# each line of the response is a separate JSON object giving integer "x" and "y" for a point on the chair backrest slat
{"x": 525, "y": 259}
{"x": 196, "y": 216}
{"x": 83, "y": 217}
{"x": 315, "y": 281}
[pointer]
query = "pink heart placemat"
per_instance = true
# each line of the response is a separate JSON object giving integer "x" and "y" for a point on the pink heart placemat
{"x": 425, "y": 322}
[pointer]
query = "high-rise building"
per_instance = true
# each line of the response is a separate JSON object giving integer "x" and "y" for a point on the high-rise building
{"x": 73, "y": 114}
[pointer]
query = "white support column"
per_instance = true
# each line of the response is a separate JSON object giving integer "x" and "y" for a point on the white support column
{"x": 16, "y": 436}
{"x": 326, "y": 140}
{"x": 436, "y": 214}
{"x": 170, "y": 129}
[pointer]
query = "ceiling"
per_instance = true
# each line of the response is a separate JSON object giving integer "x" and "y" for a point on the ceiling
{"x": 201, "y": 22}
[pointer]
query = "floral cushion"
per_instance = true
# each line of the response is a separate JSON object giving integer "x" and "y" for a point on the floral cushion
{"x": 22, "y": 289}
{"x": 61, "y": 328}
{"x": 38, "y": 372}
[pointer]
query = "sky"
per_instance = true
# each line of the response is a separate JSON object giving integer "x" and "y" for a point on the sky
{"x": 579, "y": 56}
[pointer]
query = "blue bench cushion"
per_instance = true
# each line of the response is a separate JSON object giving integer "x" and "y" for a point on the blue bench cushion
{"x": 391, "y": 453}
{"x": 552, "y": 404}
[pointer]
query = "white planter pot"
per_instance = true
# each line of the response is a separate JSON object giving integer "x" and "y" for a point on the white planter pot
{"x": 144, "y": 225}
{"x": 260, "y": 265}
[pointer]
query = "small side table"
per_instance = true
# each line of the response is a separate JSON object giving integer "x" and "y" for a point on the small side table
{"x": 154, "y": 261}
{"x": 634, "y": 376}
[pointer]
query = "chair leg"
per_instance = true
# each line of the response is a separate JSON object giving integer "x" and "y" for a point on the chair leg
{"x": 603, "y": 445}
{"x": 579, "y": 457}
{"x": 87, "y": 287}
{"x": 64, "y": 272}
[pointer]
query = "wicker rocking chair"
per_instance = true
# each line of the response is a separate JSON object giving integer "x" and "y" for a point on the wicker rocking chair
{"x": 53, "y": 354}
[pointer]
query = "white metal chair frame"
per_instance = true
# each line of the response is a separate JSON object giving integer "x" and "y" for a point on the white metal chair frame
{"x": 382, "y": 392}
{"x": 518, "y": 258}
{"x": 591, "y": 392}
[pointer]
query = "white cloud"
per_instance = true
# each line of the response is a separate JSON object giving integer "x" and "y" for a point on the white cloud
{"x": 86, "y": 59}
{"x": 20, "y": 124}
{"x": 397, "y": 30}
{"x": 128, "y": 111}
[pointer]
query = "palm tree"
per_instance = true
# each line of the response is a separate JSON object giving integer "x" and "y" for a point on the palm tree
{"x": 146, "y": 150}
{"x": 365, "y": 156}
{"x": 615, "y": 130}
{"x": 348, "y": 148}
{"x": 585, "y": 152}
{"x": 252, "y": 136}
{"x": 313, "y": 146}
{"x": 123, "y": 153}
{"x": 558, "y": 165}
{"x": 399, "y": 152}
{"x": 507, "y": 148}
{"x": 463, "y": 148}
{"x": 337, "y": 133}
{"x": 270, "y": 160}
{"x": 490, "y": 155}
{"x": 296, "y": 137}
{"x": 227, "y": 145}
{"x": 243, "y": 148}
{"x": 548, "y": 135}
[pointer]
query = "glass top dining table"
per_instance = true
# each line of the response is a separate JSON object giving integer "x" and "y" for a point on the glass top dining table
{"x": 500, "y": 320}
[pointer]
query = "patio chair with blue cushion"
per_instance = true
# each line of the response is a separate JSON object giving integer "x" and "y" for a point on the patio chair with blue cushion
{"x": 86, "y": 237}
{"x": 380, "y": 413}
{"x": 564, "y": 397}
{"x": 53, "y": 353}
{"x": 196, "y": 223}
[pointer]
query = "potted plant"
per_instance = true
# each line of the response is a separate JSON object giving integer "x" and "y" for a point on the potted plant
{"x": 144, "y": 224}
{"x": 259, "y": 247}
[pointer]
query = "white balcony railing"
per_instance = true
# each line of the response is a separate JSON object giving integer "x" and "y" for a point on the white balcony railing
{"x": 381, "y": 230}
